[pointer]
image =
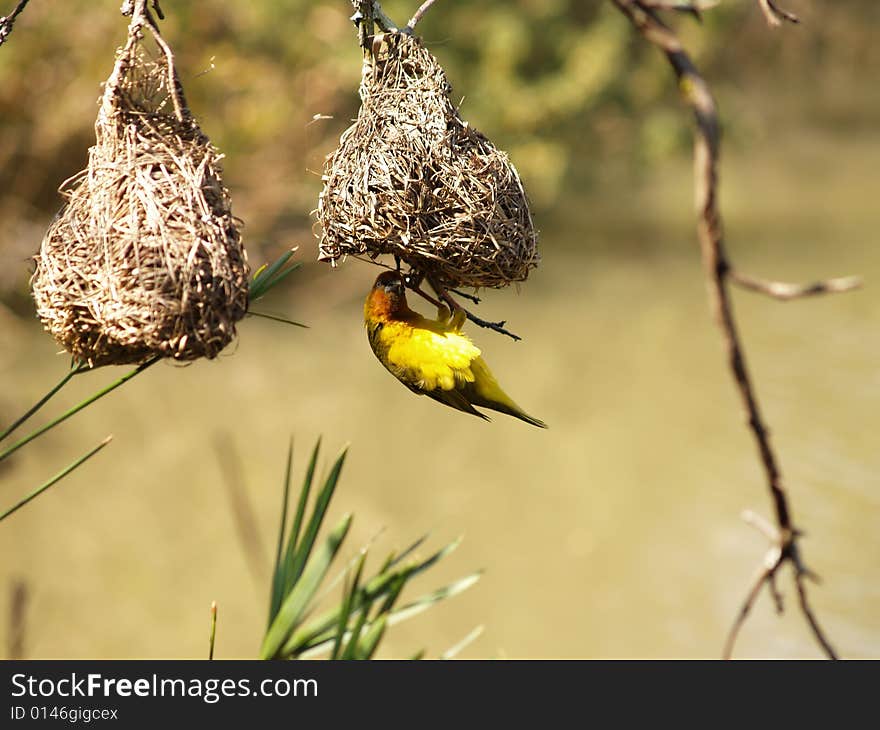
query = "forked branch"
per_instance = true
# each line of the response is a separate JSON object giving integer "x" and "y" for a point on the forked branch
{"x": 720, "y": 274}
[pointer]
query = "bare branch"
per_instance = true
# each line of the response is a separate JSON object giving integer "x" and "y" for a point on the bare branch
{"x": 776, "y": 15}
{"x": 7, "y": 21}
{"x": 494, "y": 326}
{"x": 423, "y": 8}
{"x": 761, "y": 577}
{"x": 807, "y": 610}
{"x": 775, "y": 593}
{"x": 382, "y": 20}
{"x": 776, "y": 557}
{"x": 694, "y": 7}
{"x": 769, "y": 531}
{"x": 785, "y": 291}
{"x": 689, "y": 6}
{"x": 719, "y": 275}
{"x": 366, "y": 14}
{"x": 773, "y": 559}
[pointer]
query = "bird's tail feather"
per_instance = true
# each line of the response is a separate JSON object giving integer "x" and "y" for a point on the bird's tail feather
{"x": 511, "y": 409}
{"x": 486, "y": 392}
{"x": 454, "y": 399}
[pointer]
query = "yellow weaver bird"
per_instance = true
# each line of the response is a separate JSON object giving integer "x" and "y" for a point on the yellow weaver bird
{"x": 432, "y": 357}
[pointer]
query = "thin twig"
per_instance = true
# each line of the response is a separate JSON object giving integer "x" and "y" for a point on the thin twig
{"x": 807, "y": 610}
{"x": 761, "y": 577}
{"x": 454, "y": 306}
{"x": 689, "y": 6}
{"x": 464, "y": 295}
{"x": 424, "y": 295}
{"x": 762, "y": 525}
{"x": 775, "y": 15}
{"x": 423, "y": 8}
{"x": 7, "y": 21}
{"x": 718, "y": 272}
{"x": 765, "y": 575}
{"x": 785, "y": 291}
{"x": 694, "y": 7}
{"x": 494, "y": 326}
{"x": 775, "y": 594}
{"x": 413, "y": 282}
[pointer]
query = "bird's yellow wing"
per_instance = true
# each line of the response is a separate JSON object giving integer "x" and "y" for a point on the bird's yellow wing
{"x": 429, "y": 357}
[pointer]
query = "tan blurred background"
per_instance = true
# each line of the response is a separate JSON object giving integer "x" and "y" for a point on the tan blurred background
{"x": 614, "y": 534}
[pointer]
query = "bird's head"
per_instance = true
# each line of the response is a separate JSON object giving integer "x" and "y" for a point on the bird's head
{"x": 387, "y": 298}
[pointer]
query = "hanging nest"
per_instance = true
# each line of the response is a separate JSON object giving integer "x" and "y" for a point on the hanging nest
{"x": 412, "y": 178}
{"x": 145, "y": 258}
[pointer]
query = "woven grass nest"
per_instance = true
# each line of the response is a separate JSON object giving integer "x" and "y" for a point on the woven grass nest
{"x": 145, "y": 258}
{"x": 412, "y": 178}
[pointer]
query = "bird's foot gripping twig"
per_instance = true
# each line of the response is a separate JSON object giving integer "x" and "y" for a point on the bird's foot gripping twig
{"x": 445, "y": 298}
{"x": 445, "y": 301}
{"x": 783, "y": 549}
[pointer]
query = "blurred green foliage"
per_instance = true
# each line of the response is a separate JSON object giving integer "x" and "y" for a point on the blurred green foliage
{"x": 563, "y": 85}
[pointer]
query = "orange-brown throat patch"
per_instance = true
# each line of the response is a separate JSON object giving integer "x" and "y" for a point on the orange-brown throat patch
{"x": 383, "y": 307}
{"x": 387, "y": 300}
{"x": 378, "y": 306}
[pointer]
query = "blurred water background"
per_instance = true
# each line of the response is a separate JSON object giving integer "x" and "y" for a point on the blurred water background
{"x": 617, "y": 532}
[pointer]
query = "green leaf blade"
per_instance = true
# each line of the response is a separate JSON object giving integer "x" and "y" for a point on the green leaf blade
{"x": 304, "y": 548}
{"x": 297, "y": 601}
